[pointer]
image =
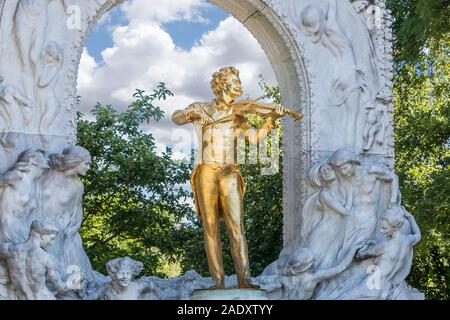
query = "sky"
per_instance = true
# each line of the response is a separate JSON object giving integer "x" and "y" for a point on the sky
{"x": 181, "y": 43}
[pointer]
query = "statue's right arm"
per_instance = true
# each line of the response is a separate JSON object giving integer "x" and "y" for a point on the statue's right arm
{"x": 182, "y": 117}
{"x": 54, "y": 277}
{"x": 327, "y": 198}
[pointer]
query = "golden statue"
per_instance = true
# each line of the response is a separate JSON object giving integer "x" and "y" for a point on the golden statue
{"x": 216, "y": 180}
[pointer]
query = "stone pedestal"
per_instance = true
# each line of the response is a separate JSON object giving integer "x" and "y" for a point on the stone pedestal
{"x": 229, "y": 294}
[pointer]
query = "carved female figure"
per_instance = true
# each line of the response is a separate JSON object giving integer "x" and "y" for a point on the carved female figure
{"x": 327, "y": 237}
{"x": 18, "y": 202}
{"x": 51, "y": 63}
{"x": 61, "y": 202}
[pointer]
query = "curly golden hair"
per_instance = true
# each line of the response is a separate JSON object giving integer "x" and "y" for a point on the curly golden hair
{"x": 220, "y": 78}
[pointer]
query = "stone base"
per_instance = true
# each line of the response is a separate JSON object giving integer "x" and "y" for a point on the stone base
{"x": 229, "y": 294}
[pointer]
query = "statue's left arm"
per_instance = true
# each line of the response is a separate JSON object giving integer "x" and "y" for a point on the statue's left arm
{"x": 255, "y": 135}
{"x": 415, "y": 231}
{"x": 264, "y": 130}
{"x": 54, "y": 277}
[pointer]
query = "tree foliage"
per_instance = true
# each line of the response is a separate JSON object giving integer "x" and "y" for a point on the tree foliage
{"x": 416, "y": 23}
{"x": 422, "y": 134}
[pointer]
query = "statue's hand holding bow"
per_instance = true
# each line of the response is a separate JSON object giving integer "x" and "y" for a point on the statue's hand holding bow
{"x": 278, "y": 113}
{"x": 196, "y": 116}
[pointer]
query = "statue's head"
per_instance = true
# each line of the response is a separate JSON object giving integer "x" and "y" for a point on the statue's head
{"x": 53, "y": 53}
{"x": 44, "y": 231}
{"x": 343, "y": 162}
{"x": 74, "y": 158}
{"x": 226, "y": 82}
{"x": 313, "y": 21}
{"x": 392, "y": 220}
{"x": 124, "y": 270}
{"x": 30, "y": 159}
{"x": 327, "y": 173}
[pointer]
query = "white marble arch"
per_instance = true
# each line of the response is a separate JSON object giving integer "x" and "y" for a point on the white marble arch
{"x": 302, "y": 65}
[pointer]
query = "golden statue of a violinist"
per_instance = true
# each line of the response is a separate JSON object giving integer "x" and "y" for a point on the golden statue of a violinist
{"x": 216, "y": 180}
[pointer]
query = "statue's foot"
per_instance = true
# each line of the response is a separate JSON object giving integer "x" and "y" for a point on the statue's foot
{"x": 246, "y": 284}
{"x": 219, "y": 285}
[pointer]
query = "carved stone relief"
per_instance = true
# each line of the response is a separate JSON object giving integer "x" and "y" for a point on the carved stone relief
{"x": 47, "y": 188}
{"x": 353, "y": 229}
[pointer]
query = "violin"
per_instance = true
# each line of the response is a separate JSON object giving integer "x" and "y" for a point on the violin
{"x": 253, "y": 107}
{"x": 260, "y": 109}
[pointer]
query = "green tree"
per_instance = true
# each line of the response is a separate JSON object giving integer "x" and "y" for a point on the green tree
{"x": 416, "y": 23}
{"x": 134, "y": 202}
{"x": 422, "y": 134}
{"x": 422, "y": 125}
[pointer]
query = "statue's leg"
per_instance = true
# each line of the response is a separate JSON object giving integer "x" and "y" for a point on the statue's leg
{"x": 231, "y": 198}
{"x": 208, "y": 202}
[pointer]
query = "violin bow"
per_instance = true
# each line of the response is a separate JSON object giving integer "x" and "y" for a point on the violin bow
{"x": 245, "y": 104}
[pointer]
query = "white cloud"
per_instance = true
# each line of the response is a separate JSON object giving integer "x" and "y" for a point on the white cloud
{"x": 87, "y": 70}
{"x": 144, "y": 55}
